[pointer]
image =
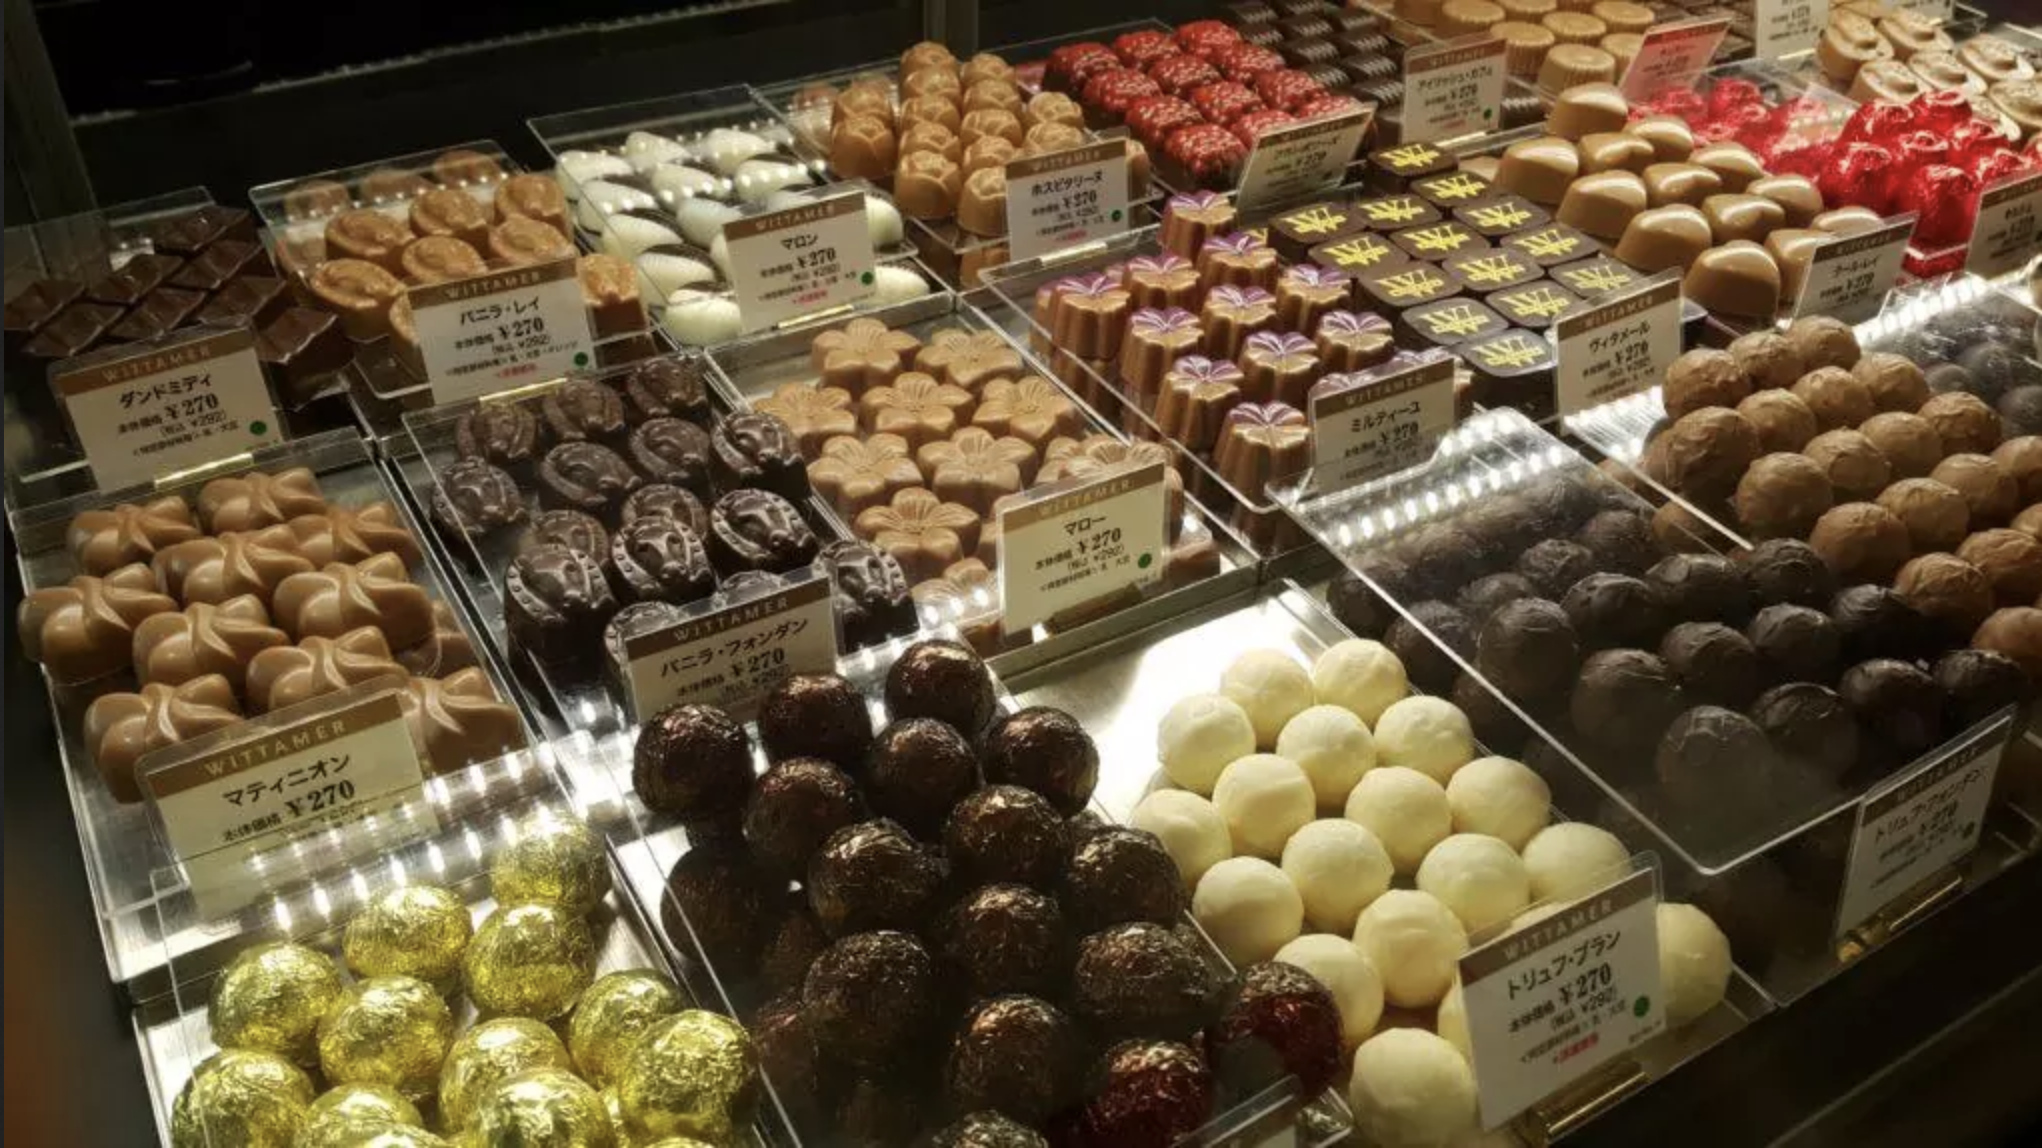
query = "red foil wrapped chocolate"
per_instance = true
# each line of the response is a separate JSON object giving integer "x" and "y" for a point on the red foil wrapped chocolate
{"x": 1181, "y": 73}
{"x": 1946, "y": 198}
{"x": 1250, "y": 127}
{"x": 1153, "y": 119}
{"x": 1733, "y": 93}
{"x": 1286, "y": 88}
{"x": 1206, "y": 38}
{"x": 1857, "y": 173}
{"x": 1941, "y": 111}
{"x": 1139, "y": 49}
{"x": 1326, "y": 104}
{"x": 1113, "y": 91}
{"x": 1073, "y": 64}
{"x": 1224, "y": 102}
{"x": 1243, "y": 62}
{"x": 1206, "y": 152}
{"x": 1876, "y": 123}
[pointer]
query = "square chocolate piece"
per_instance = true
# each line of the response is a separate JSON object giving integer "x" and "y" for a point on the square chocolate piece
{"x": 1362, "y": 69}
{"x": 1593, "y": 278}
{"x": 35, "y": 305}
{"x": 1452, "y": 189}
{"x": 1451, "y": 322}
{"x": 1535, "y": 305}
{"x": 1358, "y": 253}
{"x": 1438, "y": 241}
{"x": 1512, "y": 369}
{"x": 1493, "y": 270}
{"x": 1396, "y": 168}
{"x": 161, "y": 311}
{"x": 1499, "y": 216}
{"x": 1305, "y": 53}
{"x": 1550, "y": 245}
{"x": 1294, "y": 233}
{"x": 194, "y": 231}
{"x": 126, "y": 285}
{"x": 253, "y": 300}
{"x": 1396, "y": 212}
{"x": 1401, "y": 288}
{"x": 210, "y": 269}
{"x": 1249, "y": 12}
{"x": 299, "y": 348}
{"x": 72, "y": 332}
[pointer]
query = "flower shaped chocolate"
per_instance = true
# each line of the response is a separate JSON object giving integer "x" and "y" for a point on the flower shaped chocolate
{"x": 1307, "y": 291}
{"x": 922, "y": 532}
{"x": 105, "y": 540}
{"x": 916, "y": 407}
{"x": 216, "y": 569}
{"x": 121, "y": 727}
{"x": 968, "y": 589}
{"x": 862, "y": 354}
{"x": 1278, "y": 365}
{"x": 1261, "y": 441}
{"x": 286, "y": 675}
{"x": 1348, "y": 341}
{"x": 856, "y": 473}
{"x": 1165, "y": 280}
{"x": 205, "y": 639}
{"x": 1234, "y": 313}
{"x": 1032, "y": 409}
{"x": 968, "y": 359}
{"x": 814, "y": 414}
{"x": 974, "y": 467}
{"x": 1196, "y": 395}
{"x": 1088, "y": 316}
{"x": 1241, "y": 259}
{"x": 255, "y": 500}
{"x": 343, "y": 534}
{"x": 340, "y": 596}
{"x": 1100, "y": 454}
{"x": 85, "y": 628}
{"x": 457, "y": 721}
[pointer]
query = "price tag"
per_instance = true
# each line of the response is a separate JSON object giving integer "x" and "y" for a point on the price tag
{"x": 1673, "y": 56}
{"x": 1919, "y": 824}
{"x": 1296, "y": 161}
{"x": 2009, "y": 228}
{"x": 1783, "y": 27}
{"x": 1554, "y": 1001}
{"x": 501, "y": 329}
{"x": 1382, "y": 424}
{"x": 1849, "y": 276}
{"x": 1077, "y": 543}
{"x": 1065, "y": 198}
{"x": 142, "y": 412}
{"x": 786, "y": 264}
{"x": 730, "y": 656}
{"x": 1453, "y": 89}
{"x": 1618, "y": 348}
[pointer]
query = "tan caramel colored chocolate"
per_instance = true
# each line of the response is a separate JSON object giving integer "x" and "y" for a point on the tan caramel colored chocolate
{"x": 286, "y": 675}
{"x": 121, "y": 727}
{"x": 205, "y": 639}
{"x": 458, "y": 721}
{"x": 230, "y": 565}
{"x": 258, "y": 499}
{"x": 1662, "y": 238}
{"x": 343, "y": 596}
{"x": 85, "y": 628}
{"x": 102, "y": 541}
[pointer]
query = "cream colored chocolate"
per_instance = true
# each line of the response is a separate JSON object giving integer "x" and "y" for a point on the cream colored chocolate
{"x": 1539, "y": 169}
{"x": 1751, "y": 217}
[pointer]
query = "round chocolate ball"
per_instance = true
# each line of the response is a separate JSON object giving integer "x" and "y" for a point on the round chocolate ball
{"x": 1700, "y": 588}
{"x": 720, "y": 898}
{"x": 1782, "y": 496}
{"x": 1529, "y": 649}
{"x": 1120, "y": 875}
{"x": 1624, "y": 700}
{"x": 1936, "y": 517}
{"x": 816, "y": 715}
{"x": 1555, "y": 565}
{"x": 1560, "y": 502}
{"x": 879, "y": 1110}
{"x": 1945, "y": 378}
{"x": 1911, "y": 446}
{"x": 1824, "y": 341}
{"x": 1621, "y": 541}
{"x": 1141, "y": 980}
{"x": 1496, "y": 725}
{"x": 1861, "y": 542}
{"x": 1485, "y": 595}
{"x": 1017, "y": 1055}
{"x": 1811, "y": 725}
{"x": 987, "y": 1130}
{"x": 1679, "y": 530}
{"x": 1718, "y": 760}
{"x": 1855, "y": 468}
{"x": 917, "y": 770}
{"x": 791, "y": 945}
{"x": 692, "y": 762}
{"x": 873, "y": 876}
{"x": 1278, "y": 1021}
{"x": 1703, "y": 377}
{"x": 1767, "y": 359}
{"x": 1837, "y": 398}
{"x": 2029, "y": 521}
{"x": 1006, "y": 939}
{"x": 1425, "y": 662}
{"x": 1964, "y": 423}
{"x": 1794, "y": 643}
{"x": 786, "y": 1053}
{"x": 1899, "y": 705}
{"x": 1046, "y": 750}
{"x": 794, "y": 807}
{"x": 2010, "y": 560}
{"x": 1782, "y": 421}
{"x": 870, "y": 999}
{"x": 1141, "y": 1092}
{"x": 1990, "y": 492}
{"x": 1894, "y": 381}
{"x": 2016, "y": 632}
{"x": 1007, "y": 834}
{"x": 1704, "y": 454}
{"x": 1948, "y": 591}
{"x": 943, "y": 680}
{"x": 1874, "y": 622}
{"x": 1610, "y": 610}
{"x": 2022, "y": 458}
{"x": 2020, "y": 410}
{"x": 1442, "y": 556}
{"x": 1501, "y": 526}
{"x": 1994, "y": 366}
{"x": 1978, "y": 684}
{"x": 1356, "y": 604}
{"x": 1714, "y": 663}
{"x": 1782, "y": 570}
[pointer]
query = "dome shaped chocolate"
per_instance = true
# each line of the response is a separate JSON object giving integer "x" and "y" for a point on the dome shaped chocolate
{"x": 1715, "y": 664}
{"x": 1621, "y": 541}
{"x": 1141, "y": 979}
{"x": 1612, "y": 610}
{"x": 1874, "y": 622}
{"x": 816, "y": 715}
{"x": 1978, "y": 684}
{"x": 917, "y": 770}
{"x": 692, "y": 762}
{"x": 870, "y": 999}
{"x": 716, "y": 895}
{"x": 944, "y": 680}
{"x": 1007, "y": 834}
{"x": 873, "y": 876}
{"x": 1899, "y": 705}
{"x": 1795, "y": 643}
{"x": 1716, "y": 760}
{"x": 987, "y": 1130}
{"x": 1555, "y": 565}
{"x": 1279, "y": 1022}
{"x": 1425, "y": 661}
{"x": 786, "y": 1054}
{"x": 1790, "y": 571}
{"x": 792, "y": 942}
{"x": 1491, "y": 592}
{"x": 1006, "y": 939}
{"x": 1119, "y": 875}
{"x": 1624, "y": 700}
{"x": 1528, "y": 649}
{"x": 794, "y": 808}
{"x": 1811, "y": 725}
{"x": 1017, "y": 1055}
{"x": 1701, "y": 588}
{"x": 1046, "y": 750}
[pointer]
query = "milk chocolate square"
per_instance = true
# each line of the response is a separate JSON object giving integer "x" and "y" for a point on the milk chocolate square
{"x": 1550, "y": 245}
{"x": 1439, "y": 241}
{"x": 1500, "y": 215}
{"x": 1359, "y": 253}
{"x": 1492, "y": 270}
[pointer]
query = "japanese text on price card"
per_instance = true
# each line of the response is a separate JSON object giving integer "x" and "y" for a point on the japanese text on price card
{"x": 185, "y": 402}
{"x": 1673, "y": 56}
{"x": 1065, "y": 198}
{"x": 501, "y": 329}
{"x": 731, "y": 656}
{"x": 1381, "y": 425}
{"x": 1619, "y": 348}
{"x": 2009, "y": 228}
{"x": 786, "y": 264}
{"x": 1453, "y": 89}
{"x": 1073, "y": 545}
{"x": 1299, "y": 160}
{"x": 1849, "y": 277}
{"x": 1551, "y": 1002}
{"x": 1783, "y": 27}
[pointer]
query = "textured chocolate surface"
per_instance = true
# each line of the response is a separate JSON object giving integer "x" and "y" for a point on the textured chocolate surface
{"x": 759, "y": 530}
{"x": 916, "y": 771}
{"x": 873, "y": 875}
{"x": 944, "y": 680}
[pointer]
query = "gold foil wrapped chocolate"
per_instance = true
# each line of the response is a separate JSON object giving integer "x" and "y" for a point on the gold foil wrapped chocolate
{"x": 555, "y": 860}
{"x": 488, "y": 1054}
{"x": 412, "y": 930}
{"x": 387, "y": 1030}
{"x": 357, "y": 1102}
{"x": 692, "y": 1074}
{"x": 613, "y": 1015}
{"x": 271, "y": 998}
{"x": 368, "y": 1133}
{"x": 241, "y": 1097}
{"x": 546, "y": 1106}
{"x": 529, "y": 960}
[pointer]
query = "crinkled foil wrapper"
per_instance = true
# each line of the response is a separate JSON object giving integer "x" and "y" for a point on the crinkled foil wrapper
{"x": 489, "y": 1053}
{"x": 544, "y": 1106}
{"x": 693, "y": 1074}
{"x": 613, "y": 1016}
{"x": 244, "y": 1098}
{"x": 387, "y": 1030}
{"x": 529, "y": 960}
{"x": 363, "y": 1102}
{"x": 271, "y": 998}
{"x": 555, "y": 861}
{"x": 413, "y": 930}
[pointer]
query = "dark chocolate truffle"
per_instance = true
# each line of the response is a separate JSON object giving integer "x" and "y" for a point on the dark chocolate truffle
{"x": 870, "y": 999}
{"x": 1900, "y": 706}
{"x": 987, "y": 1130}
{"x": 1497, "y": 727}
{"x": 1624, "y": 700}
{"x": 1873, "y": 622}
{"x": 944, "y": 680}
{"x": 1017, "y": 1055}
{"x": 792, "y": 943}
{"x": 1795, "y": 643}
{"x": 1993, "y": 366}
{"x": 1044, "y": 749}
{"x": 787, "y": 1054}
{"x": 1429, "y": 666}
{"x": 1621, "y": 541}
{"x": 1121, "y": 875}
{"x": 1141, "y": 1092}
{"x": 794, "y": 808}
{"x": 1977, "y": 684}
{"x": 1944, "y": 378}
{"x": 1610, "y": 610}
{"x": 1357, "y": 606}
{"x": 1715, "y": 664}
{"x": 1004, "y": 833}
{"x": 1555, "y": 565}
{"x": 1811, "y": 725}
{"x": 879, "y": 1111}
{"x": 1501, "y": 525}
{"x": 1701, "y": 588}
{"x": 1278, "y": 1022}
{"x": 1528, "y": 649}
{"x": 1716, "y": 760}
{"x": 917, "y": 770}
{"x": 1006, "y": 939}
{"x": 1141, "y": 979}
{"x": 719, "y": 897}
{"x": 1560, "y": 502}
{"x": 692, "y": 762}
{"x": 873, "y": 876}
{"x": 816, "y": 715}
{"x": 1786, "y": 571}
{"x": 2020, "y": 409}
{"x": 1485, "y": 595}
{"x": 1442, "y": 556}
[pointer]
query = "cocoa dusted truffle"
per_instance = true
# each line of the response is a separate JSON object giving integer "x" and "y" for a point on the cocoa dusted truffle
{"x": 2010, "y": 560}
{"x": 1502, "y": 526}
{"x": 944, "y": 680}
{"x": 1495, "y": 724}
{"x": 2016, "y": 632}
{"x": 1491, "y": 592}
{"x": 1894, "y": 382}
{"x": 2021, "y": 410}
{"x": 2022, "y": 458}
{"x": 2029, "y": 521}
{"x": 1990, "y": 492}
{"x": 1861, "y": 542}
{"x": 1555, "y": 565}
{"x": 1714, "y": 663}
{"x": 1528, "y": 649}
{"x": 794, "y": 808}
{"x": 1964, "y": 423}
{"x": 1994, "y": 365}
{"x": 1141, "y": 980}
{"x": 1122, "y": 875}
{"x": 1046, "y": 750}
{"x": 1836, "y": 396}
{"x": 1795, "y": 643}
{"x": 1560, "y": 501}
{"x": 1704, "y": 377}
{"x": 1444, "y": 556}
{"x": 1782, "y": 496}
{"x": 1947, "y": 590}
{"x": 1609, "y": 610}
{"x": 1767, "y": 359}
{"x": 1711, "y": 757}
{"x": 1006, "y": 939}
{"x": 1781, "y": 421}
{"x": 1017, "y": 1055}
{"x": 1810, "y": 724}
{"x": 1701, "y": 588}
{"x": 718, "y": 896}
{"x": 870, "y": 999}
{"x": 1278, "y": 1022}
{"x": 1936, "y": 517}
{"x": 873, "y": 876}
{"x": 816, "y": 715}
{"x": 1424, "y": 661}
{"x": 1357, "y": 604}
{"x": 1624, "y": 700}
{"x": 1706, "y": 452}
{"x": 1856, "y": 469}
{"x": 692, "y": 762}
{"x": 1621, "y": 541}
{"x": 1911, "y": 446}
{"x": 1784, "y": 570}
{"x": 1873, "y": 622}
{"x": 917, "y": 770}
{"x": 1823, "y": 341}
{"x": 1004, "y": 834}
{"x": 1977, "y": 684}
{"x": 1900, "y": 706}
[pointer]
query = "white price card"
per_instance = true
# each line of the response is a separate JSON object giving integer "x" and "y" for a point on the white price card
{"x": 1849, "y": 276}
{"x": 1554, "y": 1001}
{"x": 1064, "y": 198}
{"x": 795, "y": 262}
{"x": 1382, "y": 424}
{"x": 143, "y": 412}
{"x": 502, "y": 329}
{"x": 1296, "y": 161}
{"x": 1920, "y": 823}
{"x": 1453, "y": 89}
{"x": 731, "y": 656}
{"x": 1617, "y": 348}
{"x": 1077, "y": 542}
{"x": 1673, "y": 56}
{"x": 1784, "y": 27}
{"x": 2009, "y": 228}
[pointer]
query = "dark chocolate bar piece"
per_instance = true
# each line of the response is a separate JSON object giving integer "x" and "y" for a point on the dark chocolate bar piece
{"x": 210, "y": 269}
{"x": 160, "y": 312}
{"x": 251, "y": 300}
{"x": 137, "y": 277}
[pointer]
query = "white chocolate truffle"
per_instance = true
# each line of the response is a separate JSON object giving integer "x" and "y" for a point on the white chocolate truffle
{"x": 1535, "y": 914}
{"x": 1452, "y": 1021}
{"x": 727, "y": 149}
{"x": 1694, "y": 963}
{"x": 1411, "y": 1090}
{"x": 668, "y": 272}
{"x": 601, "y": 198}
{"x": 702, "y": 318}
{"x": 755, "y": 179}
{"x": 647, "y": 151}
{"x": 1192, "y": 832}
{"x": 576, "y": 168}
{"x": 1265, "y": 799}
{"x": 676, "y": 183}
{"x": 1477, "y": 876}
{"x": 1334, "y": 749}
{"x": 1249, "y": 908}
{"x": 1271, "y": 687}
{"x": 1429, "y": 735}
{"x": 1338, "y": 867}
{"x": 1499, "y": 797}
{"x": 1200, "y": 736}
{"x": 1406, "y": 810}
{"x": 1571, "y": 859}
{"x": 896, "y": 284}
{"x": 1414, "y": 941}
{"x": 1360, "y": 676}
{"x": 1337, "y": 964}
{"x": 702, "y": 220}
